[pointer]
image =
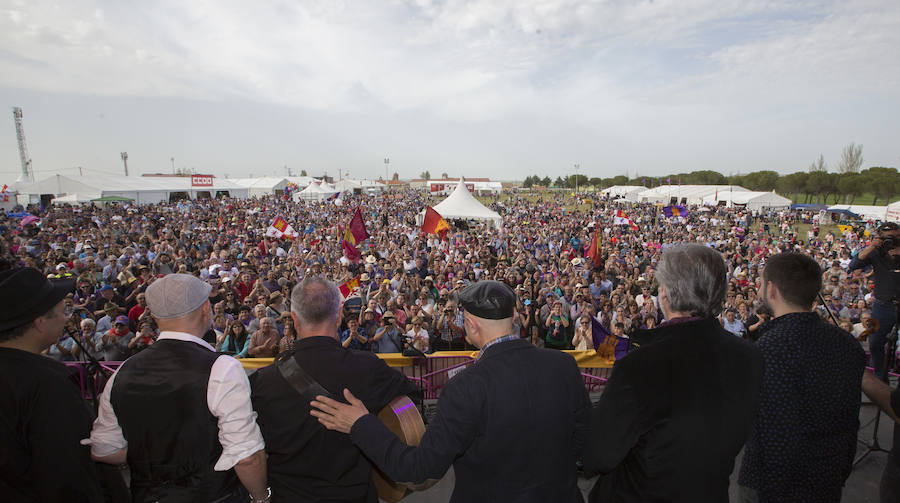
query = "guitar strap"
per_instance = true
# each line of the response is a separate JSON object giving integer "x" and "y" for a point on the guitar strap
{"x": 303, "y": 383}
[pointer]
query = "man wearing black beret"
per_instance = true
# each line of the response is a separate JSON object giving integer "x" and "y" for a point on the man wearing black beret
{"x": 512, "y": 424}
{"x": 42, "y": 416}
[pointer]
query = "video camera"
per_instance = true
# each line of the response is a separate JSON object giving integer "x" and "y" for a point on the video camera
{"x": 889, "y": 242}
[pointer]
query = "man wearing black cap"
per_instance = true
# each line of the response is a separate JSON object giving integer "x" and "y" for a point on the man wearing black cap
{"x": 42, "y": 417}
{"x": 488, "y": 416}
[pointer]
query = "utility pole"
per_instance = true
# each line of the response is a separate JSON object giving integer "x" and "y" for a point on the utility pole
{"x": 386, "y": 162}
{"x": 125, "y": 161}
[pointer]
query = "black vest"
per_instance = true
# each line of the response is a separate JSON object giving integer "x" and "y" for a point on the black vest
{"x": 159, "y": 398}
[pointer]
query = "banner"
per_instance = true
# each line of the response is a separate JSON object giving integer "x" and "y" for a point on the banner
{"x": 201, "y": 180}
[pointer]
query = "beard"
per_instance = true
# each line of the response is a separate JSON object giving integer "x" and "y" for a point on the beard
{"x": 764, "y": 298}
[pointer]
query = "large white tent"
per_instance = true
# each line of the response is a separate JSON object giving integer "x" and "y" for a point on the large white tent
{"x": 865, "y": 212}
{"x": 312, "y": 192}
{"x": 622, "y": 190}
{"x": 893, "y": 212}
{"x": 263, "y": 186}
{"x": 141, "y": 189}
{"x": 462, "y": 204}
{"x": 681, "y": 194}
{"x": 754, "y": 201}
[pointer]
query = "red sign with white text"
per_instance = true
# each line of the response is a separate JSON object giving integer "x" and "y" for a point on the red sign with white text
{"x": 201, "y": 180}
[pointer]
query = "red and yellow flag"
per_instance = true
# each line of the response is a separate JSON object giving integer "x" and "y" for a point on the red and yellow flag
{"x": 434, "y": 223}
{"x": 593, "y": 250}
{"x": 350, "y": 288}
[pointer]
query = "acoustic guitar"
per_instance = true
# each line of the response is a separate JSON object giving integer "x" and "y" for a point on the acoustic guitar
{"x": 403, "y": 419}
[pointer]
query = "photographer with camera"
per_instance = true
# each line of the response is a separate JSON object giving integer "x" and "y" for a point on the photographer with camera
{"x": 388, "y": 338}
{"x": 883, "y": 255}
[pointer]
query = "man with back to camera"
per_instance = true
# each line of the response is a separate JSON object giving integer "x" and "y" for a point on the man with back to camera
{"x": 677, "y": 410}
{"x": 306, "y": 461}
{"x": 487, "y": 416}
{"x": 883, "y": 254}
{"x": 804, "y": 440}
{"x": 42, "y": 416}
{"x": 179, "y": 413}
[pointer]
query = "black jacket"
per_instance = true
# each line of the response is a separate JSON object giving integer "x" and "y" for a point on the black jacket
{"x": 512, "y": 424}
{"x": 674, "y": 414}
{"x": 307, "y": 462}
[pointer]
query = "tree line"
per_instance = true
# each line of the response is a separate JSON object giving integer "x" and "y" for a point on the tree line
{"x": 815, "y": 185}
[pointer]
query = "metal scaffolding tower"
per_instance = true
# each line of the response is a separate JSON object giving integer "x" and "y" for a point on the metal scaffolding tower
{"x": 27, "y": 175}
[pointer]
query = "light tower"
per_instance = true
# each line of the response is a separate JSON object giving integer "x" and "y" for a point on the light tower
{"x": 125, "y": 161}
{"x": 27, "y": 176}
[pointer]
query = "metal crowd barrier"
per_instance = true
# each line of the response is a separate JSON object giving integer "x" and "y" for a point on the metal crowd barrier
{"x": 430, "y": 373}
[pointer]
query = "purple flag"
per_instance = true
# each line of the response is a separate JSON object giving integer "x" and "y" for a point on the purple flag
{"x": 606, "y": 343}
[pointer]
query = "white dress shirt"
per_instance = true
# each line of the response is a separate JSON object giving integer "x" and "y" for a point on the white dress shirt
{"x": 228, "y": 399}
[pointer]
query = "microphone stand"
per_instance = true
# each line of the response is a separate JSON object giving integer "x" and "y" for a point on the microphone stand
{"x": 890, "y": 349}
{"x": 92, "y": 366}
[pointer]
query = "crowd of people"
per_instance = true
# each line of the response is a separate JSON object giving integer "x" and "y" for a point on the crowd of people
{"x": 740, "y": 326}
{"x": 408, "y": 279}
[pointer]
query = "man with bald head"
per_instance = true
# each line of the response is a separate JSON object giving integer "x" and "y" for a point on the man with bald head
{"x": 179, "y": 413}
{"x": 512, "y": 424}
{"x": 306, "y": 461}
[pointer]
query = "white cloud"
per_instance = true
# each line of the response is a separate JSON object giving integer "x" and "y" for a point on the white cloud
{"x": 661, "y": 71}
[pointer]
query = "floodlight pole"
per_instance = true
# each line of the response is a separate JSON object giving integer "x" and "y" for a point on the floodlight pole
{"x": 577, "y": 167}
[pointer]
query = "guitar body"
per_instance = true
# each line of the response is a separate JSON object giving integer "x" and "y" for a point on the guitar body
{"x": 403, "y": 419}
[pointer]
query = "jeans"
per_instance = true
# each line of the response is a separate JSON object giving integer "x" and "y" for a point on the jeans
{"x": 886, "y": 314}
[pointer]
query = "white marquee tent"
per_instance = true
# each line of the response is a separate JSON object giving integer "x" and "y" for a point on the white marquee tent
{"x": 681, "y": 194}
{"x": 264, "y": 186}
{"x": 141, "y": 189}
{"x": 622, "y": 190}
{"x": 462, "y": 204}
{"x": 754, "y": 201}
{"x": 864, "y": 211}
{"x": 312, "y": 192}
{"x": 893, "y": 212}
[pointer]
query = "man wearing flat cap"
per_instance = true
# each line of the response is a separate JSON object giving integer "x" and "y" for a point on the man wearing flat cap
{"x": 487, "y": 416}
{"x": 179, "y": 413}
{"x": 42, "y": 416}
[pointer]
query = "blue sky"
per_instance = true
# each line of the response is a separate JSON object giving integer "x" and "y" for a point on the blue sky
{"x": 482, "y": 88}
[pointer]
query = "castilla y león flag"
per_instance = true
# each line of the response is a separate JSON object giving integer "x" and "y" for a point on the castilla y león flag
{"x": 280, "y": 228}
{"x": 350, "y": 288}
{"x": 434, "y": 223}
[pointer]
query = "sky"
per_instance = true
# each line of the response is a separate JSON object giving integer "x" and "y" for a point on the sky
{"x": 497, "y": 88}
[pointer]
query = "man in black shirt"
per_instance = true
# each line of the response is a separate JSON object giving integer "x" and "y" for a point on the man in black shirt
{"x": 42, "y": 417}
{"x": 883, "y": 254}
{"x": 307, "y": 462}
{"x": 804, "y": 440}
